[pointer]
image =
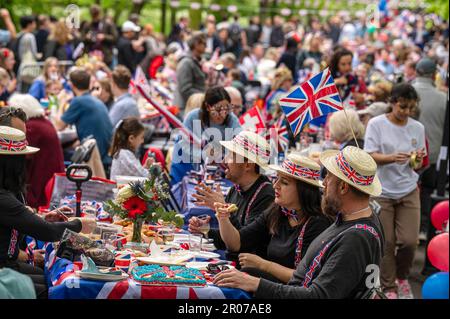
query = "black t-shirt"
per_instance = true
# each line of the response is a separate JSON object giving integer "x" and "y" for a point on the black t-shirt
{"x": 249, "y": 206}
{"x": 16, "y": 221}
{"x": 281, "y": 246}
{"x": 344, "y": 265}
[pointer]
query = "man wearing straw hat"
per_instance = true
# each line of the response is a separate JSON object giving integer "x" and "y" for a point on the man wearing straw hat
{"x": 253, "y": 192}
{"x": 343, "y": 261}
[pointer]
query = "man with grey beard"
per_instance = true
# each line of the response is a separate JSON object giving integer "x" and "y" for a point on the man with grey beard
{"x": 343, "y": 261}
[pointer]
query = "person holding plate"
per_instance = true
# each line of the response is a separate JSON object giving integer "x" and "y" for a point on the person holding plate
{"x": 286, "y": 229}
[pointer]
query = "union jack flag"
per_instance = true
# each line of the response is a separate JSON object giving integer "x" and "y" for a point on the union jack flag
{"x": 139, "y": 79}
{"x": 312, "y": 99}
{"x": 283, "y": 134}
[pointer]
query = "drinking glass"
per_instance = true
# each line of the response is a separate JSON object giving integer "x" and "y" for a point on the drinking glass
{"x": 195, "y": 244}
{"x": 205, "y": 227}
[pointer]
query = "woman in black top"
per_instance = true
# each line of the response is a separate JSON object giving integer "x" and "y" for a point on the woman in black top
{"x": 287, "y": 229}
{"x": 16, "y": 219}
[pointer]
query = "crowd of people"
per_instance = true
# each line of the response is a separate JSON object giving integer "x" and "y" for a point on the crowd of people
{"x": 310, "y": 234}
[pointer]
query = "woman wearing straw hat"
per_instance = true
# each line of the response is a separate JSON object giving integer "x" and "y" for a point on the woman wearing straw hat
{"x": 16, "y": 219}
{"x": 248, "y": 153}
{"x": 286, "y": 229}
{"x": 342, "y": 262}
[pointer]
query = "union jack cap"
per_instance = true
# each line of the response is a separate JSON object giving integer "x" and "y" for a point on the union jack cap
{"x": 13, "y": 142}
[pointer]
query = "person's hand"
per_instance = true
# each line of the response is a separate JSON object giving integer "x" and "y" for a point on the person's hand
{"x": 341, "y": 81}
{"x": 58, "y": 215}
{"x": 39, "y": 257}
{"x": 222, "y": 211}
{"x": 251, "y": 260}
{"x": 421, "y": 154}
{"x": 150, "y": 162}
{"x": 88, "y": 225}
{"x": 400, "y": 158}
{"x": 12, "y": 85}
{"x": 207, "y": 197}
{"x": 100, "y": 37}
{"x": 233, "y": 278}
{"x": 4, "y": 13}
{"x": 195, "y": 224}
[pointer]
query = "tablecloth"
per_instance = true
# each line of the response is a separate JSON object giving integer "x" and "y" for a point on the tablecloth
{"x": 64, "y": 284}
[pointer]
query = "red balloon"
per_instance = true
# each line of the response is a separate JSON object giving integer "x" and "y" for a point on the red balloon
{"x": 439, "y": 214}
{"x": 438, "y": 252}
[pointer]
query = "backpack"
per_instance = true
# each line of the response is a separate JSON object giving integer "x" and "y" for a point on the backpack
{"x": 235, "y": 33}
{"x": 14, "y": 47}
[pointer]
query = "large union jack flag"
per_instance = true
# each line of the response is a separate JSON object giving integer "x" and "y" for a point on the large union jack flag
{"x": 312, "y": 99}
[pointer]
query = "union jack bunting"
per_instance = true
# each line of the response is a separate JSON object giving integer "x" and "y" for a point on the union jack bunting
{"x": 312, "y": 99}
{"x": 351, "y": 173}
{"x": 300, "y": 171}
{"x": 10, "y": 145}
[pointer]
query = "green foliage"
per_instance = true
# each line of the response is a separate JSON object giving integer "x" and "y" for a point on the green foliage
{"x": 440, "y": 7}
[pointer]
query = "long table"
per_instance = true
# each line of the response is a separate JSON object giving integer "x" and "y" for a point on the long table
{"x": 65, "y": 284}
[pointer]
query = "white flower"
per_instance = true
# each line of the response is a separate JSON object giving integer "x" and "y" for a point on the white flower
{"x": 124, "y": 193}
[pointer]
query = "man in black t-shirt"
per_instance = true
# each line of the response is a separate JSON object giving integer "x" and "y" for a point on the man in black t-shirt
{"x": 343, "y": 261}
{"x": 253, "y": 192}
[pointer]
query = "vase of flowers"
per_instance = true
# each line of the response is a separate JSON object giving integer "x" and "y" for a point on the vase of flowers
{"x": 141, "y": 202}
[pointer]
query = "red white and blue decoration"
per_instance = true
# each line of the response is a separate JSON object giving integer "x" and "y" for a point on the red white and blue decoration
{"x": 312, "y": 99}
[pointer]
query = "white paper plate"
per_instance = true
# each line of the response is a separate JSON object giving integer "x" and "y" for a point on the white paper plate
{"x": 166, "y": 260}
{"x": 101, "y": 277}
{"x": 205, "y": 254}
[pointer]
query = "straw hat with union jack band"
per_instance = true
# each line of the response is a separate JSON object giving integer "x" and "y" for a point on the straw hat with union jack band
{"x": 355, "y": 167}
{"x": 13, "y": 142}
{"x": 300, "y": 167}
{"x": 251, "y": 146}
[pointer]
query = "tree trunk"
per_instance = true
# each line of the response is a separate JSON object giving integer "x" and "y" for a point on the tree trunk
{"x": 163, "y": 16}
{"x": 137, "y": 6}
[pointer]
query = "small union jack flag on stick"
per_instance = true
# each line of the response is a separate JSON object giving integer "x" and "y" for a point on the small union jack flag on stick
{"x": 314, "y": 98}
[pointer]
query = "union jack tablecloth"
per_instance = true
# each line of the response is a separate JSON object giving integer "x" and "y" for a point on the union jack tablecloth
{"x": 64, "y": 284}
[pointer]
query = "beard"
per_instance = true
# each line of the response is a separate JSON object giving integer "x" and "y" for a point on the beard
{"x": 331, "y": 205}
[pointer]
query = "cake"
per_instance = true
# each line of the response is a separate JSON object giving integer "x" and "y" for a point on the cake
{"x": 157, "y": 275}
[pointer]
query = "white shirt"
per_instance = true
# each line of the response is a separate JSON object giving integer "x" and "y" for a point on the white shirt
{"x": 125, "y": 163}
{"x": 383, "y": 136}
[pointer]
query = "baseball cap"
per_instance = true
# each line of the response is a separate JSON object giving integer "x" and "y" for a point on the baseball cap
{"x": 426, "y": 66}
{"x": 128, "y": 26}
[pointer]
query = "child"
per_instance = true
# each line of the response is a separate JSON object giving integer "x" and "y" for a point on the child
{"x": 128, "y": 137}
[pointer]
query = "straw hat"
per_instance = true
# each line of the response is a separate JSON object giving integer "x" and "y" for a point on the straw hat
{"x": 13, "y": 142}
{"x": 251, "y": 146}
{"x": 301, "y": 168}
{"x": 355, "y": 167}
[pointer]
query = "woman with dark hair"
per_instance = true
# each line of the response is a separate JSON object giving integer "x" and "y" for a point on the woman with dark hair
{"x": 287, "y": 229}
{"x": 349, "y": 85}
{"x": 207, "y": 122}
{"x": 16, "y": 219}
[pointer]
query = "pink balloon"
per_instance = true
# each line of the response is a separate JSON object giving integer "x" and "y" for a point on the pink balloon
{"x": 438, "y": 252}
{"x": 439, "y": 214}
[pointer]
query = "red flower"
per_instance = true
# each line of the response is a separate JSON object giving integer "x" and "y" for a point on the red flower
{"x": 135, "y": 203}
{"x": 132, "y": 213}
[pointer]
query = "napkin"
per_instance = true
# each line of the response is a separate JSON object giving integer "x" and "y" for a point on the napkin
{"x": 155, "y": 251}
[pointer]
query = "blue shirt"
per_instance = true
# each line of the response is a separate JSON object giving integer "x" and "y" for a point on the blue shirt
{"x": 125, "y": 106}
{"x": 182, "y": 162}
{"x": 90, "y": 117}
{"x": 37, "y": 89}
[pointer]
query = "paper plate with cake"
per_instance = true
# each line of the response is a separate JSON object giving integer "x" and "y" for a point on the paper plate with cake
{"x": 91, "y": 272}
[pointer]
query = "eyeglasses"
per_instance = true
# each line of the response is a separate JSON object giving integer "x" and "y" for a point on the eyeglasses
{"x": 224, "y": 108}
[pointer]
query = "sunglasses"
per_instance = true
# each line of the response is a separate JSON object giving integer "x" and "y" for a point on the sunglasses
{"x": 215, "y": 269}
{"x": 226, "y": 108}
